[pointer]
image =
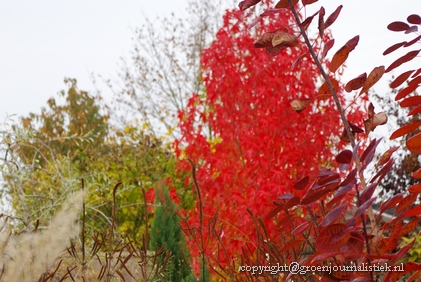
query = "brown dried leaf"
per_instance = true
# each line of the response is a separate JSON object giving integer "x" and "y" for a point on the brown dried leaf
{"x": 264, "y": 40}
{"x": 339, "y": 58}
{"x": 356, "y": 83}
{"x": 284, "y": 39}
{"x": 342, "y": 54}
{"x": 372, "y": 78}
{"x": 371, "y": 123}
{"x": 299, "y": 105}
{"x": 379, "y": 119}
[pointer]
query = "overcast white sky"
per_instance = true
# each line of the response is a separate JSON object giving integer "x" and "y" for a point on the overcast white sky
{"x": 44, "y": 41}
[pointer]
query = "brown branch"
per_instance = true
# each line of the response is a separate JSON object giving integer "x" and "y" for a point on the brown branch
{"x": 343, "y": 118}
{"x": 202, "y": 250}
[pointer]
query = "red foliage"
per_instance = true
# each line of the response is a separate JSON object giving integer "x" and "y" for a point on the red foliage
{"x": 309, "y": 221}
{"x": 247, "y": 142}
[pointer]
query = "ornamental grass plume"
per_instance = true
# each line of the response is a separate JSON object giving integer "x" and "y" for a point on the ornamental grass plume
{"x": 26, "y": 256}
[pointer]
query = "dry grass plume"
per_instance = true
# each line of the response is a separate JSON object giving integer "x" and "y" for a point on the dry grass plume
{"x": 26, "y": 256}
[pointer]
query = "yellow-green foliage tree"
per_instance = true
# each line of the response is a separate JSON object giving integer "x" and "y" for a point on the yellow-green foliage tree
{"x": 59, "y": 126}
{"x": 50, "y": 152}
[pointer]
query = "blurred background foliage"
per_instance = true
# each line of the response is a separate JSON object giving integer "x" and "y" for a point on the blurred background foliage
{"x": 50, "y": 152}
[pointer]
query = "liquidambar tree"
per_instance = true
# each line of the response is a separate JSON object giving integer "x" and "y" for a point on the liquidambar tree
{"x": 242, "y": 135}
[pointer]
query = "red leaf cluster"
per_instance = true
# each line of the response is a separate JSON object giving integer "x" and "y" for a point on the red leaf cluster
{"x": 412, "y": 76}
{"x": 276, "y": 41}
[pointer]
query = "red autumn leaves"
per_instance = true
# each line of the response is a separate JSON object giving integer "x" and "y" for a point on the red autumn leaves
{"x": 276, "y": 41}
{"x": 243, "y": 136}
{"x": 412, "y": 76}
{"x": 246, "y": 140}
